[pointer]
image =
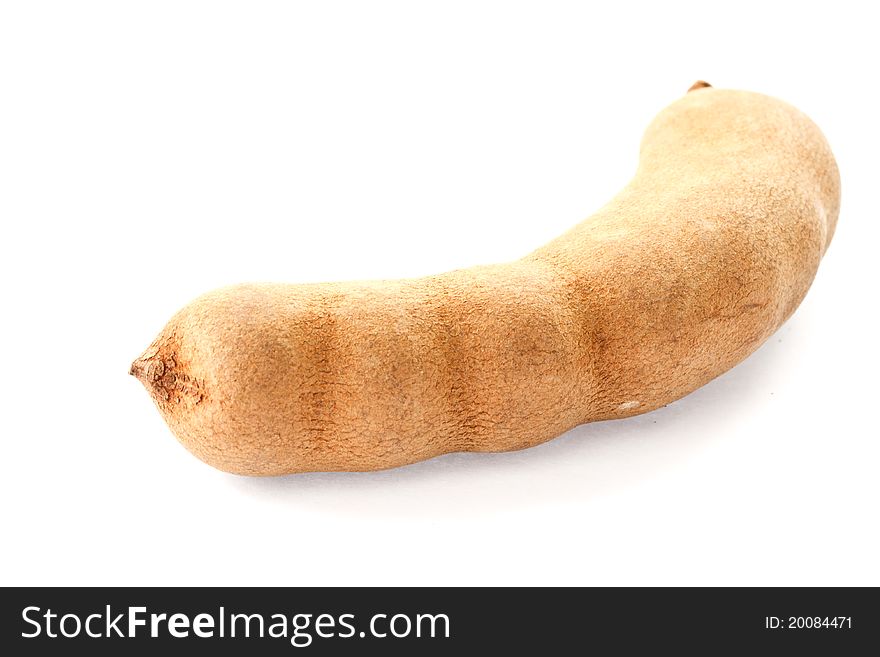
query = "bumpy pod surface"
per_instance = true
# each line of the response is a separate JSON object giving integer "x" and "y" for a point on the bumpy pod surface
{"x": 682, "y": 275}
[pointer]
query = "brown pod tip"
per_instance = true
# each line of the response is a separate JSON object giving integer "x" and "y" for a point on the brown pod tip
{"x": 166, "y": 379}
{"x": 699, "y": 84}
{"x": 138, "y": 370}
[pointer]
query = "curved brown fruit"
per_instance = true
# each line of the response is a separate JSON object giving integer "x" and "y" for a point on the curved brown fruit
{"x": 681, "y": 276}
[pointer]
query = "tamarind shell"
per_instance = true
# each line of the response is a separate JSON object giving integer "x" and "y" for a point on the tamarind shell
{"x": 688, "y": 270}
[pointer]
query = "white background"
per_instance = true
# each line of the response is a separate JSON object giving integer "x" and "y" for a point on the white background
{"x": 152, "y": 151}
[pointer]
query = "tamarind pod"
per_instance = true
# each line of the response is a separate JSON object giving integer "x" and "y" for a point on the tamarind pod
{"x": 689, "y": 269}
